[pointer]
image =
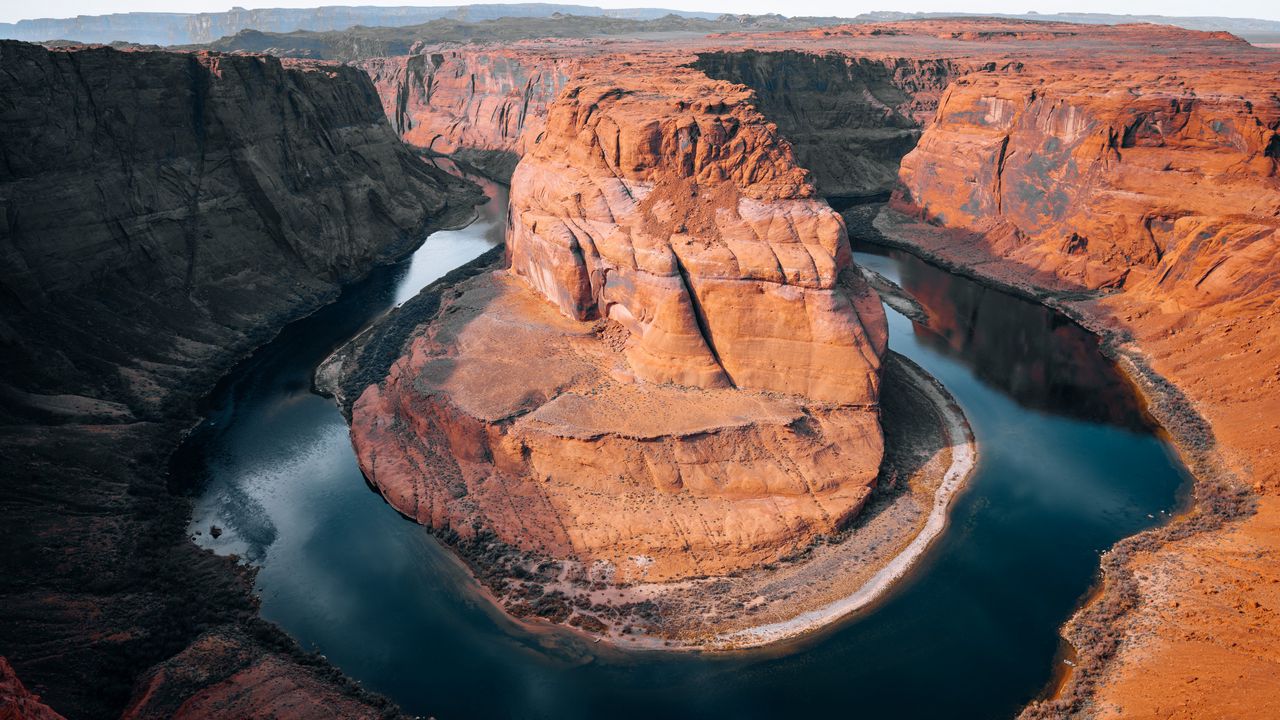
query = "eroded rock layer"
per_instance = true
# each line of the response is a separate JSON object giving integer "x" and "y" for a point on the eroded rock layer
{"x": 16, "y": 702}
{"x": 677, "y": 212}
{"x": 675, "y": 377}
{"x": 1147, "y": 204}
{"x": 160, "y": 215}
{"x": 1164, "y": 182}
{"x": 447, "y": 99}
{"x": 850, "y": 119}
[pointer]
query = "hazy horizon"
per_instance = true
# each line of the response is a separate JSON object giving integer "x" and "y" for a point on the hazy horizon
{"x": 57, "y": 9}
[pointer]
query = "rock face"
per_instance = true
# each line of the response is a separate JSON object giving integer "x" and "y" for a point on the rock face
{"x": 225, "y": 673}
{"x": 160, "y": 214}
{"x": 479, "y": 103}
{"x": 1163, "y": 182}
{"x": 850, "y": 119}
{"x": 1146, "y": 203}
{"x": 16, "y": 703}
{"x": 186, "y": 219}
{"x": 676, "y": 377}
{"x": 692, "y": 227}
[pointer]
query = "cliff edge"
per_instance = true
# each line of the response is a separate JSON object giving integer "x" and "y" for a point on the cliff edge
{"x": 160, "y": 215}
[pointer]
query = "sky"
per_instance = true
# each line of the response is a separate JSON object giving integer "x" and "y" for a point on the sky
{"x": 11, "y": 10}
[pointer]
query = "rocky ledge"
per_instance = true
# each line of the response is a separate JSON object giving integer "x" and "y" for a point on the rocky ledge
{"x": 1145, "y": 204}
{"x": 672, "y": 379}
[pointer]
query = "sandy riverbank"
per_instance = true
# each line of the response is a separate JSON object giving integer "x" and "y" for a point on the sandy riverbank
{"x": 1161, "y": 587}
{"x": 930, "y": 453}
{"x": 963, "y": 451}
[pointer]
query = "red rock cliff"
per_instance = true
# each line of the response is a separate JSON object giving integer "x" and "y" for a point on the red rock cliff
{"x": 1158, "y": 187}
{"x": 449, "y": 100}
{"x": 677, "y": 211}
{"x": 16, "y": 702}
{"x": 1164, "y": 182}
{"x": 674, "y": 378}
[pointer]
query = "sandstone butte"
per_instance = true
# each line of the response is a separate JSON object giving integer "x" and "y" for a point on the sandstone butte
{"x": 1125, "y": 174}
{"x": 677, "y": 375}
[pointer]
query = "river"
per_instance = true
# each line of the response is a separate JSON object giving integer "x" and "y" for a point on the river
{"x": 1068, "y": 465}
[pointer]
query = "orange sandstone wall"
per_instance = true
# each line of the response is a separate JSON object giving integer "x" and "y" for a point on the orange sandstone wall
{"x": 669, "y": 205}
{"x": 449, "y": 99}
{"x": 1158, "y": 189}
{"x": 1159, "y": 181}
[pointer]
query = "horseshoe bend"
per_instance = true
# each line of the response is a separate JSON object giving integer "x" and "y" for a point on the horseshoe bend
{"x": 748, "y": 348}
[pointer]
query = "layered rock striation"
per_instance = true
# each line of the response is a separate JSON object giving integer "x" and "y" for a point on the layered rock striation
{"x": 481, "y": 105}
{"x": 160, "y": 214}
{"x": 850, "y": 119}
{"x": 1162, "y": 182}
{"x": 676, "y": 376}
{"x": 692, "y": 227}
{"x": 1146, "y": 204}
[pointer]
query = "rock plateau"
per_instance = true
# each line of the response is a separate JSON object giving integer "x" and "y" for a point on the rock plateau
{"x": 676, "y": 375}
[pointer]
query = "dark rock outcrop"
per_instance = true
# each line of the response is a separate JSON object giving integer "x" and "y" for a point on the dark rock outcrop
{"x": 16, "y": 702}
{"x": 850, "y": 119}
{"x": 160, "y": 215}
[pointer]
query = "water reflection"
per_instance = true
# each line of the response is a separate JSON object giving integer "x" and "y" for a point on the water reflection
{"x": 1038, "y": 356}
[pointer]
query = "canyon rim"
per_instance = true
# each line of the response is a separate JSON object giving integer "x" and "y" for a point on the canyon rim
{"x": 666, "y": 411}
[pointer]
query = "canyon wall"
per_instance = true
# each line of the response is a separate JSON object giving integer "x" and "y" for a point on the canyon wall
{"x": 1147, "y": 204}
{"x": 18, "y": 703}
{"x": 678, "y": 373}
{"x": 160, "y": 215}
{"x": 1162, "y": 182}
{"x": 850, "y": 119}
{"x": 482, "y": 105}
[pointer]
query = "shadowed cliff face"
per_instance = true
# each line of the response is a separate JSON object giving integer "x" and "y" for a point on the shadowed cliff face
{"x": 851, "y": 120}
{"x": 160, "y": 214}
{"x": 18, "y": 703}
{"x": 155, "y": 193}
{"x": 484, "y": 106}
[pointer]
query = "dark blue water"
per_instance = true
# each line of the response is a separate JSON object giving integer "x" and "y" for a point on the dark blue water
{"x": 1068, "y": 465}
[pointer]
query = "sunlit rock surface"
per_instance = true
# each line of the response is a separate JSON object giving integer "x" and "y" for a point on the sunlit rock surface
{"x": 678, "y": 374}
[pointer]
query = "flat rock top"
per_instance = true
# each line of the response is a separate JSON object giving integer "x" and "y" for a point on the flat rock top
{"x": 498, "y": 354}
{"x": 500, "y": 351}
{"x": 979, "y": 40}
{"x": 655, "y": 411}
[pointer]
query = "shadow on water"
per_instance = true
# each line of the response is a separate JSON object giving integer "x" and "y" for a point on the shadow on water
{"x": 1067, "y": 467}
{"x": 1039, "y": 357}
